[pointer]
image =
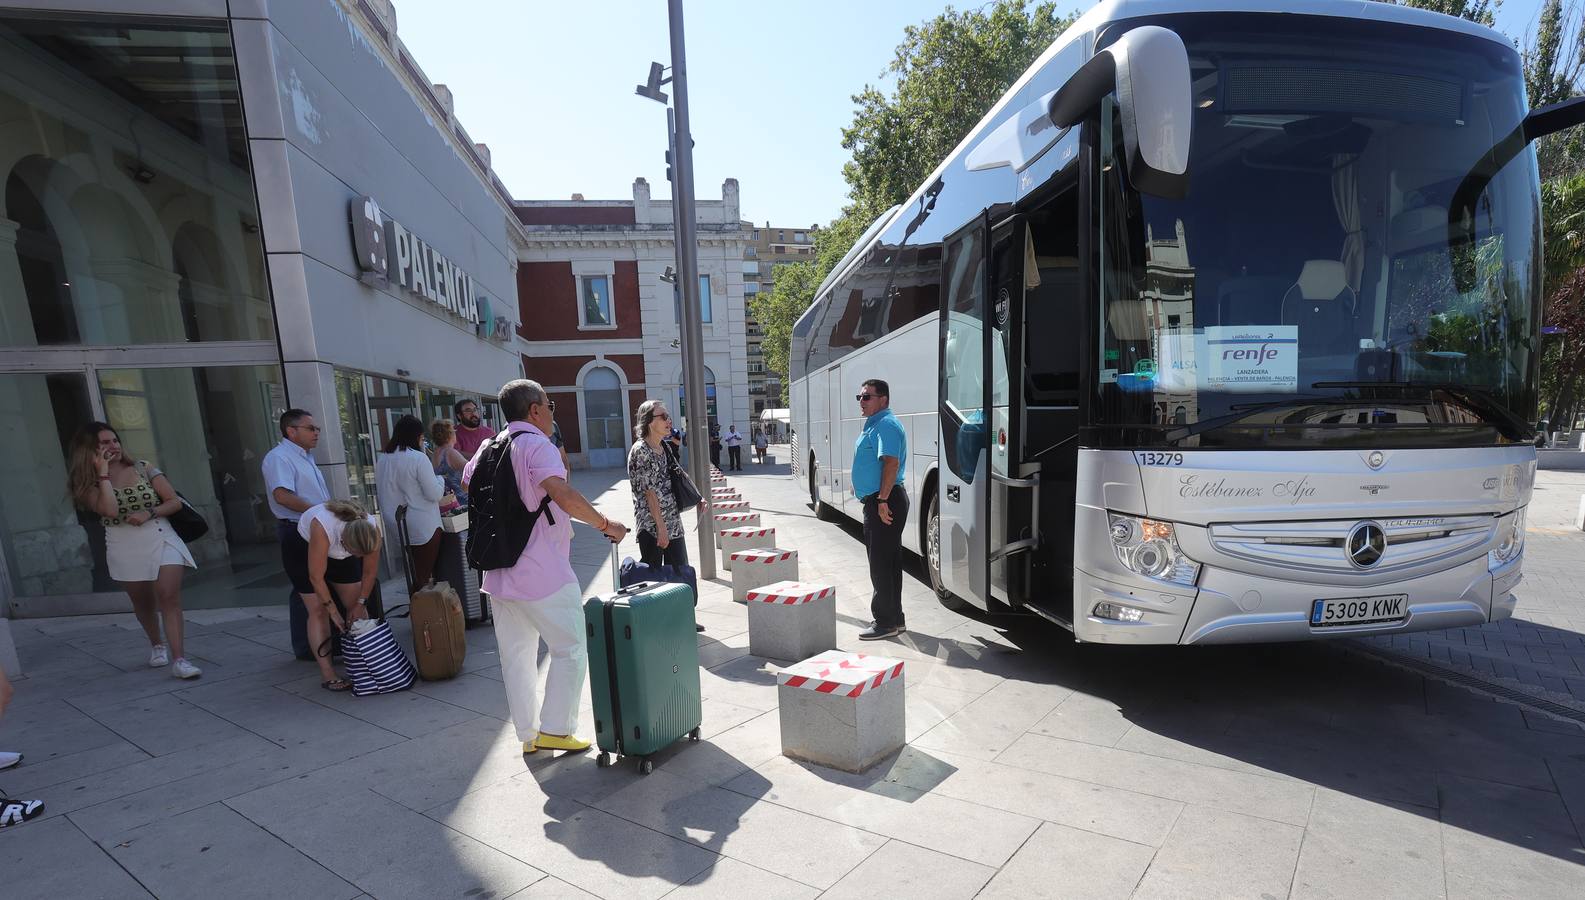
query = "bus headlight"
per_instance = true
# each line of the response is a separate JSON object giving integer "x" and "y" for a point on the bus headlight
{"x": 1510, "y": 541}
{"x": 1150, "y": 548}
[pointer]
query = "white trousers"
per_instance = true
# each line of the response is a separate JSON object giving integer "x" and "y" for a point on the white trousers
{"x": 519, "y": 626}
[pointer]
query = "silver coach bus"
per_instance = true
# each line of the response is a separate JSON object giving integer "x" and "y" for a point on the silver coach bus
{"x": 1221, "y": 326}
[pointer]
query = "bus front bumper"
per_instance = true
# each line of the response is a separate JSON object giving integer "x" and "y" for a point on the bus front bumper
{"x": 1231, "y": 607}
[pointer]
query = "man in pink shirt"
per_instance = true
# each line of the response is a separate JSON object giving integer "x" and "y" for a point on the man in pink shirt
{"x": 540, "y": 597}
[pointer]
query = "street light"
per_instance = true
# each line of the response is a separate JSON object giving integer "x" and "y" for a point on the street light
{"x": 679, "y": 158}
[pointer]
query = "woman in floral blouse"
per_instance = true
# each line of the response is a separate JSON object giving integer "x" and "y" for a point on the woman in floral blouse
{"x": 660, "y": 536}
{"x": 133, "y": 500}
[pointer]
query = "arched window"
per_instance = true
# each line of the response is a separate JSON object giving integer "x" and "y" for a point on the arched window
{"x": 605, "y": 422}
{"x": 45, "y": 284}
{"x": 709, "y": 395}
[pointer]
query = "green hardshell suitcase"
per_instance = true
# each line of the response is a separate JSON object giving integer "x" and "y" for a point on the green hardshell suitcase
{"x": 643, "y": 669}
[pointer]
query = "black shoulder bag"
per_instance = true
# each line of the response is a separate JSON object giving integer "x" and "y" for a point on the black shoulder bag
{"x": 682, "y": 487}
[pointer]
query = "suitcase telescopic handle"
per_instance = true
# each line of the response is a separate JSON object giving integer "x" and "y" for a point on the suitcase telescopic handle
{"x": 616, "y": 569}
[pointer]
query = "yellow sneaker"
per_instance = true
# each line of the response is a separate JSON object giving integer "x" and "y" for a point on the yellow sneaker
{"x": 559, "y": 742}
{"x": 528, "y": 747}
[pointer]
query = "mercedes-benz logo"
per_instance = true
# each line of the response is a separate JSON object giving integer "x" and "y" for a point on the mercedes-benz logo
{"x": 1366, "y": 544}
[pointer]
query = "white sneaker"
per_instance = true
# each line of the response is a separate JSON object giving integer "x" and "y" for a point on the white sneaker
{"x": 159, "y": 656}
{"x": 9, "y": 759}
{"x": 185, "y": 669}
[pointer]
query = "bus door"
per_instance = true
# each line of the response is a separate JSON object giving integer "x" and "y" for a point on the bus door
{"x": 1014, "y": 485}
{"x": 964, "y": 481}
{"x": 840, "y": 404}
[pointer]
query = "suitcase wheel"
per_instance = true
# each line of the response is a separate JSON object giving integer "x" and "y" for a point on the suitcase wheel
{"x": 603, "y": 761}
{"x": 694, "y": 734}
{"x": 646, "y": 765}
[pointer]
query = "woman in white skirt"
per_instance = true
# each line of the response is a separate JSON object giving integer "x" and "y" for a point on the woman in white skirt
{"x": 133, "y": 500}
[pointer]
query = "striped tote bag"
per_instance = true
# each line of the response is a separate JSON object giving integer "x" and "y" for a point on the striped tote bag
{"x": 375, "y": 662}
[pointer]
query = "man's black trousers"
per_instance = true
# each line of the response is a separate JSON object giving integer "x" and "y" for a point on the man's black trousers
{"x": 884, "y": 544}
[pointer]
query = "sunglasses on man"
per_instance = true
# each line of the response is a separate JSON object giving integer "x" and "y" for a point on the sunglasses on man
{"x": 862, "y": 398}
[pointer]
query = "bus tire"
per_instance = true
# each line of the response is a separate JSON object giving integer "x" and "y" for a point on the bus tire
{"x": 932, "y": 544}
{"x": 822, "y": 512}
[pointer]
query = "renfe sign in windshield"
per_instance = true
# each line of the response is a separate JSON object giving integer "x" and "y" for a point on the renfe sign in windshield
{"x": 389, "y": 252}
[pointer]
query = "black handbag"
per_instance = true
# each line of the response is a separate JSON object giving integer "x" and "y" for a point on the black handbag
{"x": 682, "y": 487}
{"x": 188, "y": 523}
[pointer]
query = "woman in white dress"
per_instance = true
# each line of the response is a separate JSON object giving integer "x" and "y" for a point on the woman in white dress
{"x": 405, "y": 476}
{"x": 344, "y": 557}
{"x": 133, "y": 501}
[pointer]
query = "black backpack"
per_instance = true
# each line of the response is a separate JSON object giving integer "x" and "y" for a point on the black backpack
{"x": 499, "y": 525}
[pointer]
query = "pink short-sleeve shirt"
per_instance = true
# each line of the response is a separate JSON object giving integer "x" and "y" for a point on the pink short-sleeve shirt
{"x": 546, "y": 564}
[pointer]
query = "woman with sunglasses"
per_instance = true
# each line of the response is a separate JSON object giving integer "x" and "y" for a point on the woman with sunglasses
{"x": 659, "y": 527}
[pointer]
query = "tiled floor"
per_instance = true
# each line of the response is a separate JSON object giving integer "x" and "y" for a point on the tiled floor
{"x": 1036, "y": 767}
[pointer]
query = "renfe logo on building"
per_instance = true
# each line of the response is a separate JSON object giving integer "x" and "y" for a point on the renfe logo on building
{"x": 387, "y": 252}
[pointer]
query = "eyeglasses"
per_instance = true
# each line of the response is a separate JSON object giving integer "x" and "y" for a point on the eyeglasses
{"x": 666, "y": 416}
{"x": 550, "y": 405}
{"x": 863, "y": 397}
{"x": 314, "y": 428}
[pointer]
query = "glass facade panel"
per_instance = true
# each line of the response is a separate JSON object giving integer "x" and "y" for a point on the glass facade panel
{"x": 128, "y": 210}
{"x": 47, "y": 550}
{"x": 207, "y": 429}
{"x": 357, "y": 438}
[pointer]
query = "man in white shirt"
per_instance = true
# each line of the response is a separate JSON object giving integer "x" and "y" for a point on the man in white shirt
{"x": 295, "y": 483}
{"x": 734, "y": 449}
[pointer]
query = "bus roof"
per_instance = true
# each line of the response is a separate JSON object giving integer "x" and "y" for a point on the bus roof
{"x": 1117, "y": 10}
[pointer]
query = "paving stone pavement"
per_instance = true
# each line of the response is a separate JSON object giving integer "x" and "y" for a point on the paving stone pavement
{"x": 1541, "y": 650}
{"x": 1035, "y": 767}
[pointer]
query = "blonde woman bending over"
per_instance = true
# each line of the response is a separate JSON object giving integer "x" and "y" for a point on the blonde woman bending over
{"x": 344, "y": 557}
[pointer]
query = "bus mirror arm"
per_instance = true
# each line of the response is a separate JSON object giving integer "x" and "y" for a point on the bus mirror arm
{"x": 1461, "y": 211}
{"x": 1148, "y": 68}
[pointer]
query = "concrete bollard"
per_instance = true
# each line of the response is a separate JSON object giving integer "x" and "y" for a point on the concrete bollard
{"x": 792, "y": 620}
{"x": 756, "y": 568}
{"x": 1579, "y": 517}
{"x": 736, "y": 520}
{"x": 727, "y": 506}
{"x": 843, "y": 710}
{"x": 743, "y": 538}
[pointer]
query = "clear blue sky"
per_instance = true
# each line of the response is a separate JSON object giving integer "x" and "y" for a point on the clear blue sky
{"x": 548, "y": 84}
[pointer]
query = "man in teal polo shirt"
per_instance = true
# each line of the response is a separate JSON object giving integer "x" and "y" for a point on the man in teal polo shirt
{"x": 879, "y": 460}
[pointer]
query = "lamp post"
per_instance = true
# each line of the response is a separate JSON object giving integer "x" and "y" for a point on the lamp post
{"x": 684, "y": 219}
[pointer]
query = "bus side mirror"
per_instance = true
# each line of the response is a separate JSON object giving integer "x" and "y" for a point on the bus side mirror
{"x": 1148, "y": 68}
{"x": 1461, "y": 211}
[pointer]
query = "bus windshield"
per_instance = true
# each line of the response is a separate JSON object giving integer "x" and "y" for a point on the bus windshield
{"x": 1308, "y": 287}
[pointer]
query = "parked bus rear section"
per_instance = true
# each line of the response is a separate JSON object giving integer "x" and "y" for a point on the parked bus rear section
{"x": 1221, "y": 326}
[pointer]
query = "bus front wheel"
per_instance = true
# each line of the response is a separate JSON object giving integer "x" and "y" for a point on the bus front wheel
{"x": 933, "y": 556}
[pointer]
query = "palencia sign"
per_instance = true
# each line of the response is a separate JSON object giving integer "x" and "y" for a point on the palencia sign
{"x": 389, "y": 253}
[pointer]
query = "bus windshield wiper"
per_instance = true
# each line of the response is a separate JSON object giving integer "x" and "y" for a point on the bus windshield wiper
{"x": 1476, "y": 400}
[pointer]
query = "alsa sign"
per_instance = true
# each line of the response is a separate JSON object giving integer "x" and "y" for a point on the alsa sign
{"x": 387, "y": 252}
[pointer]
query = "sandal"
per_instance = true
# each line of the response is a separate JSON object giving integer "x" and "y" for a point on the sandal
{"x": 336, "y": 684}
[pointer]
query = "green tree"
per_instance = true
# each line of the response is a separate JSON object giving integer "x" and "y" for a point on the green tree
{"x": 946, "y": 74}
{"x": 778, "y": 309}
